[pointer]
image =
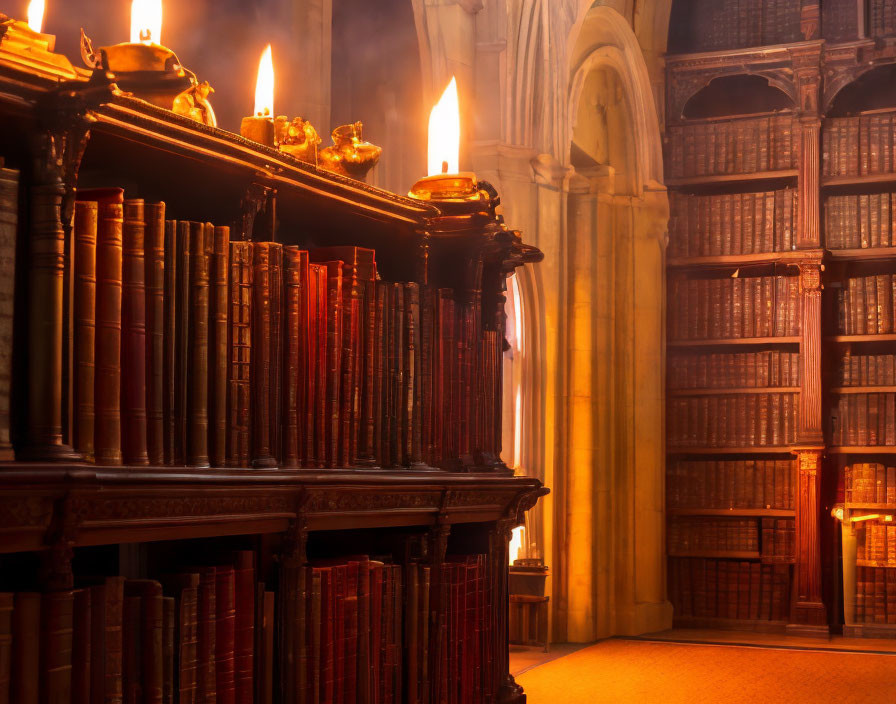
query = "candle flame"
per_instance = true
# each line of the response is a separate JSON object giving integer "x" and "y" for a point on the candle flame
{"x": 36, "y": 15}
{"x": 516, "y": 543}
{"x": 264, "y": 86}
{"x": 444, "y": 133}
{"x": 146, "y": 21}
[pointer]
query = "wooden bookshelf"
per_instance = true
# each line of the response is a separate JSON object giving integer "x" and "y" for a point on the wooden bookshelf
{"x": 293, "y": 478}
{"x": 735, "y": 260}
{"x": 862, "y": 449}
{"x": 720, "y": 554}
{"x": 735, "y": 390}
{"x": 746, "y": 512}
{"x": 733, "y": 179}
{"x": 864, "y": 254}
{"x": 736, "y": 342}
{"x": 750, "y": 450}
{"x": 862, "y": 389}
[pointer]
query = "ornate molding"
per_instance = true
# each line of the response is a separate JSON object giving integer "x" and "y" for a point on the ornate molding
{"x": 129, "y": 508}
{"x": 366, "y": 501}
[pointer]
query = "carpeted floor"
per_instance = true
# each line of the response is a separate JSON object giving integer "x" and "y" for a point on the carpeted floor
{"x": 622, "y": 671}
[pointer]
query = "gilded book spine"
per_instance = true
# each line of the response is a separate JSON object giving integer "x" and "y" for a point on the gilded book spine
{"x": 262, "y": 451}
{"x": 133, "y": 335}
{"x": 218, "y": 362}
{"x": 240, "y": 350}
{"x": 201, "y": 236}
{"x": 85, "y": 325}
{"x": 154, "y": 241}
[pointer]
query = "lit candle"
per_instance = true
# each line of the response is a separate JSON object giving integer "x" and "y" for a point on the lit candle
{"x": 260, "y": 128}
{"x": 146, "y": 22}
{"x": 36, "y": 15}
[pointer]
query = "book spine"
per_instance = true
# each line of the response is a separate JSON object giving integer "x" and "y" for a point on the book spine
{"x": 262, "y": 327}
{"x": 81, "y": 647}
{"x": 219, "y": 362}
{"x": 25, "y": 662}
{"x": 56, "y": 614}
{"x": 292, "y": 357}
{"x": 9, "y": 209}
{"x": 225, "y": 622}
{"x": 154, "y": 260}
{"x": 244, "y": 627}
{"x": 240, "y": 350}
{"x": 334, "y": 361}
{"x": 85, "y": 327}
{"x": 169, "y": 396}
{"x": 183, "y": 309}
{"x": 201, "y": 242}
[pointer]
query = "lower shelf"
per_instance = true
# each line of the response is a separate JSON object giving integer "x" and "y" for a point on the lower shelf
{"x": 869, "y": 630}
{"x": 733, "y": 624}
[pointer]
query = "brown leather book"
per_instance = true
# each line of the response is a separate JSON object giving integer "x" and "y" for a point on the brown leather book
{"x": 240, "y": 350}
{"x": 262, "y": 354}
{"x": 334, "y": 351}
{"x": 150, "y": 629}
{"x": 218, "y": 363}
{"x": 169, "y": 616}
{"x": 107, "y": 394}
{"x": 9, "y": 211}
{"x": 131, "y": 650}
{"x": 81, "y": 647}
{"x": 427, "y": 303}
{"x": 396, "y": 376}
{"x": 84, "y": 301}
{"x": 133, "y": 335}
{"x": 225, "y": 622}
{"x": 106, "y": 614}
{"x": 197, "y": 375}
{"x": 318, "y": 363}
{"x": 293, "y": 359}
{"x": 276, "y": 372}
{"x": 185, "y": 590}
{"x": 25, "y": 662}
{"x": 244, "y": 626}
{"x": 205, "y": 674}
{"x": 56, "y": 611}
{"x": 154, "y": 259}
{"x": 411, "y": 421}
{"x": 182, "y": 323}
{"x": 169, "y": 398}
{"x": 7, "y": 600}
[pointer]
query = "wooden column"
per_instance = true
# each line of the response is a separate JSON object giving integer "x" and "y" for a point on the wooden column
{"x": 810, "y": 426}
{"x": 808, "y": 614}
{"x": 56, "y": 153}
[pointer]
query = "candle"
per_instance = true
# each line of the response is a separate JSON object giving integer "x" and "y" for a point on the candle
{"x": 260, "y": 127}
{"x": 36, "y": 15}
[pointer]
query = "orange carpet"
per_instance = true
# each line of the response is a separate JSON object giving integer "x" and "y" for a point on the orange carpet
{"x": 623, "y": 671}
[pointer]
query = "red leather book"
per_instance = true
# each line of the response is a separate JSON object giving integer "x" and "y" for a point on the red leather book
{"x": 240, "y": 346}
{"x": 275, "y": 396}
{"x": 385, "y": 637}
{"x": 84, "y": 301}
{"x": 293, "y": 357}
{"x": 9, "y": 211}
{"x": 244, "y": 625}
{"x": 148, "y": 632}
{"x": 154, "y": 258}
{"x": 316, "y": 388}
{"x": 169, "y": 350}
{"x": 201, "y": 243}
{"x": 338, "y": 575}
{"x": 218, "y": 363}
{"x": 269, "y": 629}
{"x": 327, "y": 633}
{"x": 25, "y": 660}
{"x": 81, "y": 646}
{"x": 314, "y": 626}
{"x": 185, "y": 590}
{"x": 131, "y": 650}
{"x": 106, "y": 614}
{"x": 396, "y": 381}
{"x": 56, "y": 611}
{"x": 379, "y": 366}
{"x": 350, "y": 669}
{"x": 300, "y": 624}
{"x": 133, "y": 335}
{"x": 225, "y": 624}
{"x": 388, "y": 373}
{"x": 183, "y": 311}
{"x": 398, "y": 631}
{"x": 412, "y": 632}
{"x": 206, "y": 618}
{"x": 427, "y": 303}
{"x": 169, "y": 677}
{"x": 368, "y": 370}
{"x": 262, "y": 354}
{"x": 411, "y": 418}
{"x": 107, "y": 395}
{"x": 375, "y": 590}
{"x": 362, "y": 671}
{"x": 333, "y": 358}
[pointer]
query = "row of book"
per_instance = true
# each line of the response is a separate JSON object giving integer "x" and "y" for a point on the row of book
{"x": 876, "y": 541}
{"x": 882, "y": 18}
{"x": 855, "y": 369}
{"x": 696, "y": 534}
{"x": 875, "y": 595}
{"x": 865, "y": 305}
{"x": 373, "y": 632}
{"x": 205, "y": 635}
{"x": 865, "y": 419}
{"x": 778, "y": 538}
{"x": 860, "y": 221}
{"x": 839, "y": 20}
{"x": 870, "y": 483}
{"x": 735, "y": 223}
{"x": 700, "y": 588}
{"x": 738, "y": 420}
{"x": 716, "y": 309}
{"x": 727, "y": 370}
{"x": 730, "y": 484}
{"x": 193, "y": 350}
{"x": 734, "y": 24}
{"x": 859, "y": 146}
{"x": 739, "y": 146}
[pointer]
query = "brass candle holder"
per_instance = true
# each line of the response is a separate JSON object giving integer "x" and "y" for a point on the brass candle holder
{"x": 350, "y": 155}
{"x": 19, "y": 44}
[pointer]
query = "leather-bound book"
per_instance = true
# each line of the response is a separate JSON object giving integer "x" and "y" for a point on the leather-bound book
{"x": 25, "y": 661}
{"x": 362, "y": 671}
{"x": 131, "y": 650}
{"x": 334, "y": 363}
{"x": 9, "y": 210}
{"x": 206, "y": 619}
{"x": 379, "y": 369}
{"x": 182, "y": 323}
{"x": 225, "y": 622}
{"x": 267, "y": 674}
{"x": 154, "y": 259}
{"x": 218, "y": 363}
{"x": 276, "y": 347}
{"x": 169, "y": 397}
{"x": 81, "y": 647}
{"x": 427, "y": 303}
{"x": 313, "y": 638}
{"x": 397, "y": 374}
{"x": 106, "y": 615}
{"x": 351, "y": 631}
{"x": 244, "y": 626}
{"x": 316, "y": 386}
{"x": 327, "y": 633}
{"x": 7, "y": 600}
{"x": 185, "y": 590}
{"x": 133, "y": 335}
{"x": 262, "y": 353}
{"x": 240, "y": 350}
{"x": 293, "y": 361}
{"x": 84, "y": 302}
{"x": 149, "y": 632}
{"x": 56, "y": 610}
{"x": 107, "y": 357}
{"x": 201, "y": 241}
{"x": 410, "y": 395}
{"x": 169, "y": 616}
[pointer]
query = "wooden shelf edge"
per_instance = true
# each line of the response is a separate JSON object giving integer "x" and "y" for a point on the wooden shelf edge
{"x": 736, "y": 512}
{"x": 737, "y": 341}
{"x": 863, "y": 254}
{"x": 766, "y": 450}
{"x": 719, "y": 554}
{"x": 862, "y": 389}
{"x": 729, "y": 179}
{"x": 834, "y": 181}
{"x": 862, "y": 450}
{"x": 739, "y": 260}
{"x": 758, "y": 50}
{"x": 842, "y": 339}
{"x": 876, "y": 563}
{"x": 736, "y": 390}
{"x": 863, "y": 506}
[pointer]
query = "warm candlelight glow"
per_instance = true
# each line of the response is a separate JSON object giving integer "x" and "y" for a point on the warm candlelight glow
{"x": 516, "y": 543}
{"x": 36, "y": 15}
{"x": 264, "y": 86}
{"x": 146, "y": 21}
{"x": 444, "y": 133}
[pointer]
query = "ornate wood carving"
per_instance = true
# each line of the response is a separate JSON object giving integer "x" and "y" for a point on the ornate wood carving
{"x": 843, "y": 64}
{"x": 127, "y": 507}
{"x": 353, "y": 500}
{"x": 810, "y": 429}
{"x": 810, "y": 19}
{"x": 808, "y": 610}
{"x": 254, "y": 201}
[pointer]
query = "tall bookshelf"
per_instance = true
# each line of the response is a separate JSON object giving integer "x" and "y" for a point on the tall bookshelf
{"x": 330, "y": 519}
{"x": 759, "y": 115}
